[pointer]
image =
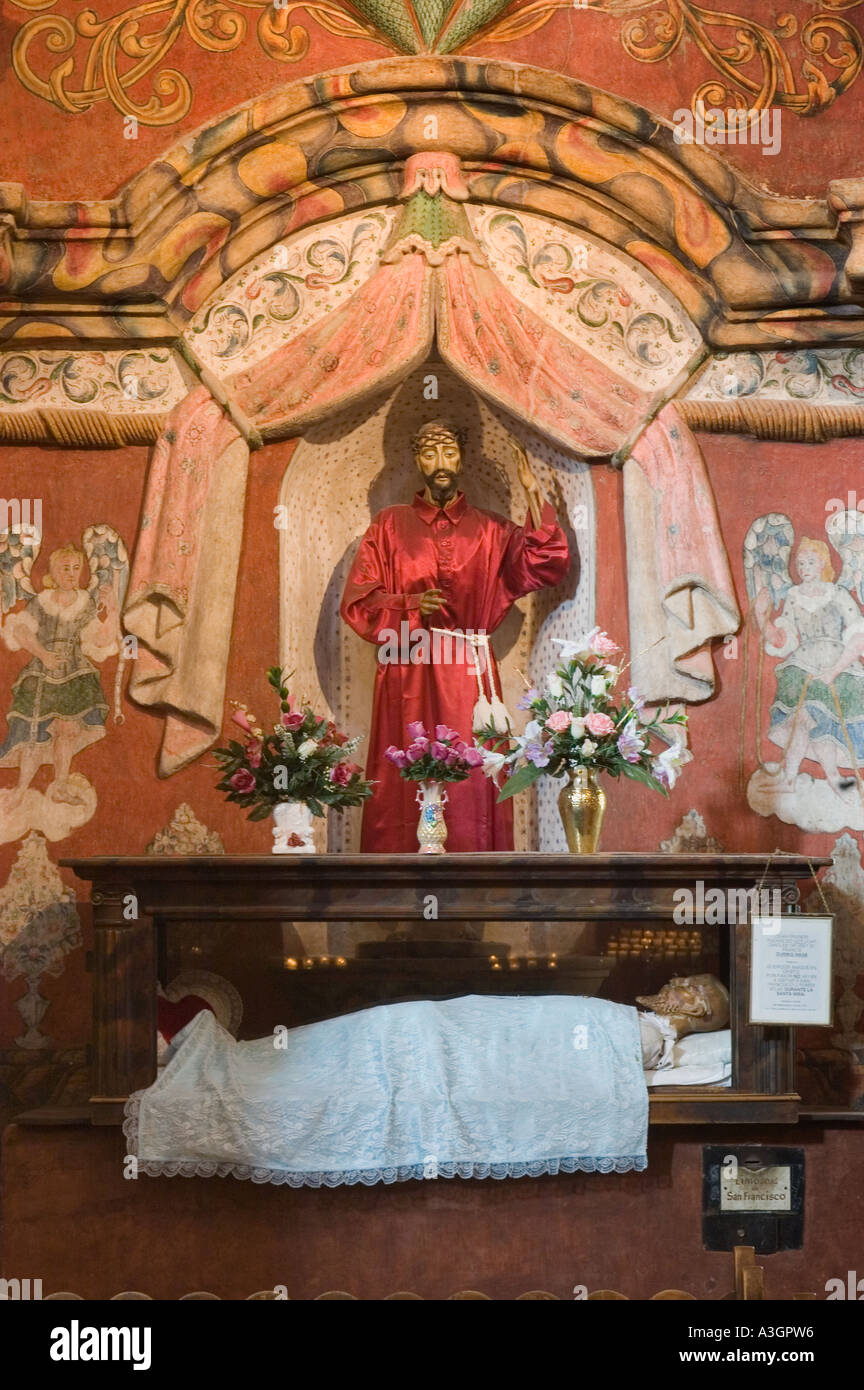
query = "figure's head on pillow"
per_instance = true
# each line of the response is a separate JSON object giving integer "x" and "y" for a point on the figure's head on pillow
{"x": 691, "y": 1003}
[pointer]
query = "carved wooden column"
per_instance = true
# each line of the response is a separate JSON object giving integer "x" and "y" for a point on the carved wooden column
{"x": 124, "y": 999}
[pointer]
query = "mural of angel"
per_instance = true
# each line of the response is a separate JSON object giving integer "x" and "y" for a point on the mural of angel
{"x": 58, "y": 706}
{"x": 814, "y": 629}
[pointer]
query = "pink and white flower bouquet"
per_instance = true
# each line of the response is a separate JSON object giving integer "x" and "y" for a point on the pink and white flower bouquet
{"x": 442, "y": 756}
{"x": 578, "y": 721}
{"x": 303, "y": 757}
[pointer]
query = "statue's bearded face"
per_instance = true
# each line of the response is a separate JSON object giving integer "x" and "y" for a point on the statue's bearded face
{"x": 439, "y": 459}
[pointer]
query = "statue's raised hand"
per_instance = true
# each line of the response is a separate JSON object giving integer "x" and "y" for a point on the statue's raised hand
{"x": 528, "y": 481}
{"x": 523, "y": 467}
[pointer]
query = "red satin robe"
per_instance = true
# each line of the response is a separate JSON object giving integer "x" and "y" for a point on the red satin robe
{"x": 482, "y": 563}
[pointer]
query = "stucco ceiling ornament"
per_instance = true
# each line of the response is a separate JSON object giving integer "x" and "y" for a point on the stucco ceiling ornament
{"x": 185, "y": 834}
{"x": 843, "y": 884}
{"x": 801, "y": 64}
{"x": 292, "y": 285}
{"x": 39, "y": 926}
{"x": 808, "y": 395}
{"x": 690, "y": 836}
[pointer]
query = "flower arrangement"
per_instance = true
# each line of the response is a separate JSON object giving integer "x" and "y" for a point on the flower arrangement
{"x": 577, "y": 723}
{"x": 305, "y": 758}
{"x": 440, "y": 757}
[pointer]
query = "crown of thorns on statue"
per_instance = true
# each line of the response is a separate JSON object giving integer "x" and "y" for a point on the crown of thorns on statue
{"x": 436, "y": 432}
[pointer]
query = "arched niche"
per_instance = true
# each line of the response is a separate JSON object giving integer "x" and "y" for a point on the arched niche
{"x": 350, "y": 467}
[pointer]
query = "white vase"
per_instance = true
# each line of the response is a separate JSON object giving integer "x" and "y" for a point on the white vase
{"x": 431, "y": 830}
{"x": 293, "y": 832}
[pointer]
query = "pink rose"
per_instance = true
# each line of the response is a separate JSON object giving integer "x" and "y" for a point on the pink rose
{"x": 438, "y": 750}
{"x": 443, "y": 733}
{"x": 558, "y": 722}
{"x": 473, "y": 757}
{"x": 240, "y": 718}
{"x": 417, "y": 750}
{"x": 243, "y": 781}
{"x": 599, "y": 724}
{"x": 292, "y": 721}
{"x": 396, "y": 756}
{"x": 340, "y": 775}
{"x": 451, "y": 757}
{"x": 253, "y": 753}
{"x": 603, "y": 645}
{"x": 416, "y": 730}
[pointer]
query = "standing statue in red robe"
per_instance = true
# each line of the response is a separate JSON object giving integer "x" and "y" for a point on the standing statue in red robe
{"x": 442, "y": 566}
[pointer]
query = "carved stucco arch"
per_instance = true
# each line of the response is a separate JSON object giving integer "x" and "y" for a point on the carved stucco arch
{"x": 526, "y": 138}
{"x": 752, "y": 270}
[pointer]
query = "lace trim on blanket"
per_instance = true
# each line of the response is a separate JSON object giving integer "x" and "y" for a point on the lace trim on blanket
{"x": 537, "y": 1168}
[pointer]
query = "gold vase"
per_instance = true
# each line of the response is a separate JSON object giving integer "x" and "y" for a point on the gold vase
{"x": 582, "y": 804}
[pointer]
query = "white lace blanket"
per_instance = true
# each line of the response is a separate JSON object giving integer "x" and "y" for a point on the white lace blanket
{"x": 472, "y": 1087}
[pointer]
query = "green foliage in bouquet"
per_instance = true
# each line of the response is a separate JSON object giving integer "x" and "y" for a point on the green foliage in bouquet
{"x": 305, "y": 758}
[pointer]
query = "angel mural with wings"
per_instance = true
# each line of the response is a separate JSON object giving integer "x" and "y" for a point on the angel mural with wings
{"x": 811, "y": 624}
{"x": 58, "y": 706}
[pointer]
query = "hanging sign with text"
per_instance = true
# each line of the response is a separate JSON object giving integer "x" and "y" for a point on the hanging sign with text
{"x": 790, "y": 970}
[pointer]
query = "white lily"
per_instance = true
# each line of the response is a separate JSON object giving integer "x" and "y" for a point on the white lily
{"x": 671, "y": 761}
{"x": 307, "y": 747}
{"x": 492, "y": 762}
{"x": 555, "y": 685}
{"x": 581, "y": 647}
{"x": 599, "y": 685}
{"x": 577, "y": 726}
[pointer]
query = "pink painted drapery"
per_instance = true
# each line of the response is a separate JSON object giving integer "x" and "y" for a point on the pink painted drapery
{"x": 512, "y": 357}
{"x": 384, "y": 330}
{"x": 181, "y": 598}
{"x": 679, "y": 583}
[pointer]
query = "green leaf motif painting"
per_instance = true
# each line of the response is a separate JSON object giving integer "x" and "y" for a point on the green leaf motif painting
{"x": 418, "y": 26}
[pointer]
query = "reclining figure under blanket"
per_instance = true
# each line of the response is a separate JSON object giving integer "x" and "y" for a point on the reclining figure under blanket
{"x": 471, "y": 1087}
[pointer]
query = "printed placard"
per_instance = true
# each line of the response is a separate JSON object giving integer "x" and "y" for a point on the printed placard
{"x": 790, "y": 970}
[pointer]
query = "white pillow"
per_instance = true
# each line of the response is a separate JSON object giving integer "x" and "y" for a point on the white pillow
{"x": 703, "y": 1049}
{"x": 717, "y": 1075}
